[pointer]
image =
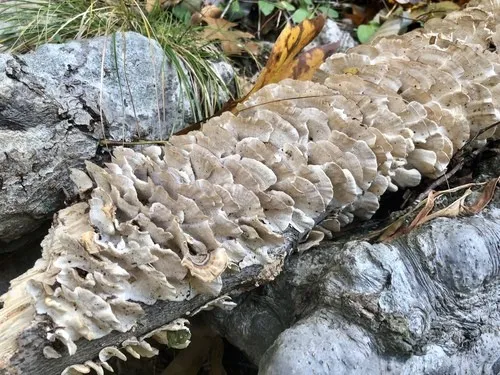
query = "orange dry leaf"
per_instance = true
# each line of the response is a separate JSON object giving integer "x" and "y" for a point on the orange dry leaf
{"x": 429, "y": 206}
{"x": 397, "y": 228}
{"x": 486, "y": 197}
{"x": 457, "y": 208}
{"x": 307, "y": 63}
{"x": 361, "y": 15}
{"x": 220, "y": 29}
{"x": 291, "y": 41}
{"x": 283, "y": 61}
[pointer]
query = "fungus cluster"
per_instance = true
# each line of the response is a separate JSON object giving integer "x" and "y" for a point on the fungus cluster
{"x": 166, "y": 222}
{"x": 175, "y": 334}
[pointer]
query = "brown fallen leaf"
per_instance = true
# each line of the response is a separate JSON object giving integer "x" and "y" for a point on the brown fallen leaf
{"x": 219, "y": 29}
{"x": 282, "y": 60}
{"x": 389, "y": 232}
{"x": 253, "y": 48}
{"x": 150, "y": 4}
{"x": 289, "y": 44}
{"x": 397, "y": 228}
{"x": 486, "y": 197}
{"x": 455, "y": 209}
{"x": 307, "y": 63}
{"x": 361, "y": 15}
{"x": 429, "y": 206}
{"x": 211, "y": 11}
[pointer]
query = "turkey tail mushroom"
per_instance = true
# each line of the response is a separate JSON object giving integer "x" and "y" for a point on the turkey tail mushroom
{"x": 166, "y": 222}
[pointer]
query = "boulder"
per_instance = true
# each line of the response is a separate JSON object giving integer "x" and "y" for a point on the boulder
{"x": 424, "y": 303}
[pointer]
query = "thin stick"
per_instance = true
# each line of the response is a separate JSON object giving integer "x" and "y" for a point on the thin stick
{"x": 226, "y": 8}
{"x": 459, "y": 164}
{"x": 110, "y": 142}
{"x": 438, "y": 182}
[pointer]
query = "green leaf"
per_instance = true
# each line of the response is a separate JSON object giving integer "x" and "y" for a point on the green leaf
{"x": 235, "y": 6}
{"x": 329, "y": 12}
{"x": 308, "y": 2}
{"x": 182, "y": 13}
{"x": 192, "y": 5}
{"x": 300, "y": 15}
{"x": 266, "y": 7}
{"x": 286, "y": 6}
{"x": 365, "y": 32}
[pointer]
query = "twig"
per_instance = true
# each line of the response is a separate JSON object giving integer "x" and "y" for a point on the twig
{"x": 438, "y": 182}
{"x": 393, "y": 9}
{"x": 482, "y": 131}
{"x": 110, "y": 142}
{"x": 226, "y": 8}
{"x": 459, "y": 160}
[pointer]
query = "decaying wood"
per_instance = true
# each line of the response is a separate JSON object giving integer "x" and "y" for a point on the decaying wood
{"x": 23, "y": 337}
{"x": 28, "y": 357}
{"x": 217, "y": 210}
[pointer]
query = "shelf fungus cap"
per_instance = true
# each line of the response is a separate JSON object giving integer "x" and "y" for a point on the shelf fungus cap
{"x": 139, "y": 348}
{"x": 76, "y": 370}
{"x": 109, "y": 352}
{"x": 206, "y": 267}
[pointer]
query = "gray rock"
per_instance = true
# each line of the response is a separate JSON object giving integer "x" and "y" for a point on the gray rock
{"x": 326, "y": 343}
{"x": 126, "y": 78}
{"x": 426, "y": 303}
{"x": 37, "y": 146}
{"x": 332, "y": 33}
{"x": 307, "y": 348}
{"x": 226, "y": 74}
{"x": 51, "y": 105}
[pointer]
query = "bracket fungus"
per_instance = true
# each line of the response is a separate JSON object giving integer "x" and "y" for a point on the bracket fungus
{"x": 166, "y": 222}
{"x": 175, "y": 335}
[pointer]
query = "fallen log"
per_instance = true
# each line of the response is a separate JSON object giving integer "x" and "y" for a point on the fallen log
{"x": 167, "y": 229}
{"x": 26, "y": 355}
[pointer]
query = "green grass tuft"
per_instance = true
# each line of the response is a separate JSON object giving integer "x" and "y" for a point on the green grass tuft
{"x": 26, "y": 24}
